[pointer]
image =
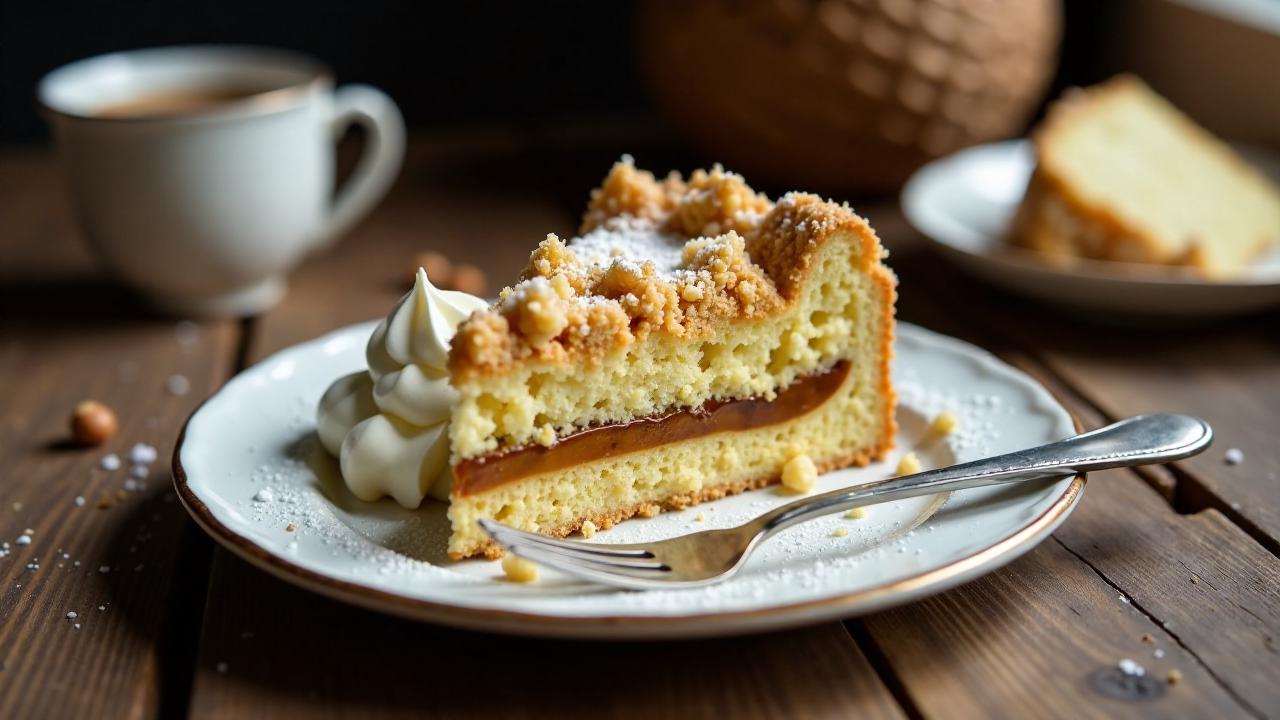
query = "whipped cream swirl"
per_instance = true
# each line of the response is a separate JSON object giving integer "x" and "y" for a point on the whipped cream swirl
{"x": 389, "y": 426}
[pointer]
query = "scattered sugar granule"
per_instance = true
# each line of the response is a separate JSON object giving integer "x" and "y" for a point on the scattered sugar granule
{"x": 264, "y": 495}
{"x": 130, "y": 485}
{"x": 143, "y": 454}
{"x": 588, "y": 529}
{"x": 76, "y": 626}
{"x": 840, "y": 532}
{"x": 1159, "y": 653}
{"x": 518, "y": 569}
{"x": 856, "y": 513}
{"x": 700, "y": 517}
{"x": 945, "y": 423}
{"x": 221, "y": 667}
{"x": 1174, "y": 677}
{"x": 110, "y": 462}
{"x": 104, "y": 569}
{"x": 23, "y": 539}
{"x": 178, "y": 385}
{"x": 909, "y": 464}
{"x": 1131, "y": 668}
{"x": 1234, "y": 456}
{"x": 79, "y": 501}
{"x": 102, "y": 608}
{"x": 292, "y": 546}
{"x": 799, "y": 474}
{"x": 139, "y": 472}
{"x": 17, "y": 506}
{"x": 72, "y": 615}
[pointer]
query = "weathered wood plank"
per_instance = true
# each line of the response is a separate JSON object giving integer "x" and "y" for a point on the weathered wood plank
{"x": 286, "y": 653}
{"x": 1125, "y": 535}
{"x": 1227, "y": 372}
{"x": 66, "y": 334}
{"x": 379, "y": 666}
{"x": 1028, "y": 640}
{"x": 1213, "y": 589}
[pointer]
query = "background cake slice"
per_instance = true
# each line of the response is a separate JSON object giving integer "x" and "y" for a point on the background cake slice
{"x": 692, "y": 341}
{"x": 1123, "y": 175}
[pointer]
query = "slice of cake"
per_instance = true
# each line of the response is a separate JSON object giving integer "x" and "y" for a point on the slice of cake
{"x": 1122, "y": 175}
{"x": 695, "y": 339}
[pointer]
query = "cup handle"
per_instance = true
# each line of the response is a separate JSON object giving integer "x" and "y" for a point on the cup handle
{"x": 378, "y": 166}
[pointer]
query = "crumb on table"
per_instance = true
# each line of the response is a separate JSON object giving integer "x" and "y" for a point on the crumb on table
{"x": 856, "y": 513}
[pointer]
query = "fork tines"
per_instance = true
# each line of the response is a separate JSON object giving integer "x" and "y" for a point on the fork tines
{"x": 575, "y": 557}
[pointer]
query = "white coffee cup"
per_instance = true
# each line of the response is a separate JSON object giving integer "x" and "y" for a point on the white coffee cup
{"x": 204, "y": 209}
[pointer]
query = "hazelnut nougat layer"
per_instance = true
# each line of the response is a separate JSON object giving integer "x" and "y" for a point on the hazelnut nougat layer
{"x": 677, "y": 293}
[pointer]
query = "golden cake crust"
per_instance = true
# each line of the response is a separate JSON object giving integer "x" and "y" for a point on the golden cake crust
{"x": 743, "y": 258}
{"x": 677, "y": 292}
{"x": 1055, "y": 219}
{"x": 1059, "y": 218}
{"x": 606, "y": 520}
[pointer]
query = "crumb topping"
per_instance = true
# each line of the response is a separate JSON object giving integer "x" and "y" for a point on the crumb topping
{"x": 672, "y": 256}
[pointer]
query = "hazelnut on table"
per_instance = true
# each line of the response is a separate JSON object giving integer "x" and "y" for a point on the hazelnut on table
{"x": 470, "y": 279}
{"x": 93, "y": 423}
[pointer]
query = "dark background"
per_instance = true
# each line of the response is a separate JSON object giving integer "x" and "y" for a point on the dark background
{"x": 444, "y": 63}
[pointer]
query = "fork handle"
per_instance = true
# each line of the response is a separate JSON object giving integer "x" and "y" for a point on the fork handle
{"x": 1140, "y": 440}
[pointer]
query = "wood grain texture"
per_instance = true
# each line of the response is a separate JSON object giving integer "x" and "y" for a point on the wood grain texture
{"x": 1137, "y": 546}
{"x": 271, "y": 650}
{"x": 1021, "y": 642}
{"x": 1213, "y": 589}
{"x": 1227, "y": 371}
{"x": 1026, "y": 640}
{"x": 68, "y": 335}
{"x": 377, "y": 666}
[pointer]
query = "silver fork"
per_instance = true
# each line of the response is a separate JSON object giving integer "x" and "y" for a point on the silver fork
{"x": 712, "y": 556}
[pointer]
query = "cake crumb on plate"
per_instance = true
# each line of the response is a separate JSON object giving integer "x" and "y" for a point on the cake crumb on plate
{"x": 799, "y": 474}
{"x": 518, "y": 569}
{"x": 945, "y": 423}
{"x": 909, "y": 464}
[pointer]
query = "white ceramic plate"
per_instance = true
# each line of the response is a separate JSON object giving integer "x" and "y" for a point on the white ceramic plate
{"x": 248, "y": 466}
{"x": 965, "y": 202}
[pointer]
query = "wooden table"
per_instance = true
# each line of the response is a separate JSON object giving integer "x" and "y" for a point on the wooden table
{"x": 1173, "y": 567}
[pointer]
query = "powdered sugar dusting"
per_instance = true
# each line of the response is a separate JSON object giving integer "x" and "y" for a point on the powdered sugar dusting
{"x": 628, "y": 239}
{"x": 263, "y": 475}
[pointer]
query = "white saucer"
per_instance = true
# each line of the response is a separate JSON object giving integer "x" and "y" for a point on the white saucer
{"x": 964, "y": 203}
{"x": 248, "y": 466}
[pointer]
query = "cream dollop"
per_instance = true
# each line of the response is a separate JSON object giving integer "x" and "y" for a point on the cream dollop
{"x": 389, "y": 425}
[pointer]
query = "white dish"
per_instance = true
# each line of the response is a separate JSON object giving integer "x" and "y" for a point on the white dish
{"x": 964, "y": 203}
{"x": 248, "y": 466}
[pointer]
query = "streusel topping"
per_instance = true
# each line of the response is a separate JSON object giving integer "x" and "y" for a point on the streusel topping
{"x": 674, "y": 256}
